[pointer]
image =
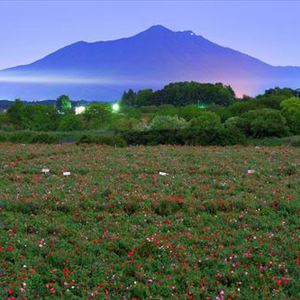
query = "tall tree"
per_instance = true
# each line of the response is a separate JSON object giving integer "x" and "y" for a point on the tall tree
{"x": 63, "y": 104}
{"x": 15, "y": 114}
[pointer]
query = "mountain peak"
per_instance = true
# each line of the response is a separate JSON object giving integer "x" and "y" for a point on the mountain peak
{"x": 150, "y": 59}
{"x": 158, "y": 28}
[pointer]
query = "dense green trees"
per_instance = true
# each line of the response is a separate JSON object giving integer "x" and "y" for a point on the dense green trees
{"x": 98, "y": 115}
{"x": 33, "y": 117}
{"x": 181, "y": 94}
{"x": 175, "y": 114}
{"x": 70, "y": 122}
{"x": 15, "y": 114}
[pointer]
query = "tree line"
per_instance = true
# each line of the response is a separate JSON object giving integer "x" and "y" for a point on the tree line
{"x": 210, "y": 113}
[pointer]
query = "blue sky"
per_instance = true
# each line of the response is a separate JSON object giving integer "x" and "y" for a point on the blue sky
{"x": 264, "y": 29}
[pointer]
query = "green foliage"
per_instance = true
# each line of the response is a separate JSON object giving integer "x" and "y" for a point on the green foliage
{"x": 272, "y": 101}
{"x": 44, "y": 138}
{"x": 63, "y": 104}
{"x": 32, "y": 117}
{"x": 220, "y": 136}
{"x": 236, "y": 123}
{"x": 70, "y": 122}
{"x": 144, "y": 97}
{"x": 15, "y": 114}
{"x": 291, "y": 111}
{"x": 129, "y": 98}
{"x": 206, "y": 121}
{"x": 39, "y": 118}
{"x": 277, "y": 91}
{"x": 180, "y": 94}
{"x": 167, "y": 123}
{"x": 173, "y": 108}
{"x": 190, "y": 112}
{"x": 29, "y": 137}
{"x": 149, "y": 109}
{"x": 116, "y": 229}
{"x": 185, "y": 93}
{"x": 125, "y": 124}
{"x": 5, "y": 121}
{"x": 238, "y": 108}
{"x": 266, "y": 122}
{"x": 98, "y": 115}
{"x": 167, "y": 110}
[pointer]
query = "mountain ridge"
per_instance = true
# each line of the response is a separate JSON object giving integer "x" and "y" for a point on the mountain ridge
{"x": 102, "y": 70}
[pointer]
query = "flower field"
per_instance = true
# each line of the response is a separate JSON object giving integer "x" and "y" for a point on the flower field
{"x": 216, "y": 223}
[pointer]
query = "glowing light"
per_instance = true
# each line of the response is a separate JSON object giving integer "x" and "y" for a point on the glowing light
{"x": 116, "y": 107}
{"x": 79, "y": 110}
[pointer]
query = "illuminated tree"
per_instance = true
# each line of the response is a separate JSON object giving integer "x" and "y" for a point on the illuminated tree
{"x": 63, "y": 104}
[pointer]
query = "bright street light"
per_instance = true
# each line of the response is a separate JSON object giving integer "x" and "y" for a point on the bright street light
{"x": 115, "y": 107}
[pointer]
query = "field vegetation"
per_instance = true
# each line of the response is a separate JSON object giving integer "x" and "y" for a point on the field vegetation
{"x": 163, "y": 222}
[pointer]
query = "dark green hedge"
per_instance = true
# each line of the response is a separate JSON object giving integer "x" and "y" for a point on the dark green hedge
{"x": 220, "y": 137}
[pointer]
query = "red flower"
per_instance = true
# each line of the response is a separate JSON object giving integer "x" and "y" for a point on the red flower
{"x": 66, "y": 272}
{"x": 131, "y": 253}
{"x": 278, "y": 282}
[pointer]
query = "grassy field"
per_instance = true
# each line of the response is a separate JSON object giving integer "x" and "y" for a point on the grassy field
{"x": 116, "y": 229}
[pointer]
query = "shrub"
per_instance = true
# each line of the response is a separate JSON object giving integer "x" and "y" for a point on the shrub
{"x": 266, "y": 122}
{"x": 126, "y": 124}
{"x": 236, "y": 123}
{"x": 44, "y": 138}
{"x": 291, "y": 111}
{"x": 20, "y": 137}
{"x": 70, "y": 123}
{"x": 220, "y": 137}
{"x": 167, "y": 123}
{"x": 167, "y": 110}
{"x": 206, "y": 121}
{"x": 189, "y": 112}
{"x": 4, "y": 121}
{"x": 98, "y": 115}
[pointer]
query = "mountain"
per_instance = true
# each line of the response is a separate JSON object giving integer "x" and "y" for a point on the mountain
{"x": 150, "y": 59}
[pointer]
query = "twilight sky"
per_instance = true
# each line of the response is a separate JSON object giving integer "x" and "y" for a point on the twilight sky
{"x": 264, "y": 29}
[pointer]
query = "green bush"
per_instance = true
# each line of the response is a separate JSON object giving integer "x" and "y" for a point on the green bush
{"x": 167, "y": 123}
{"x": 189, "y": 112}
{"x": 20, "y": 137}
{"x": 206, "y": 121}
{"x": 125, "y": 124}
{"x": 236, "y": 123}
{"x": 70, "y": 123}
{"x": 3, "y": 137}
{"x": 45, "y": 138}
{"x": 291, "y": 111}
{"x": 266, "y": 122}
{"x": 219, "y": 136}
